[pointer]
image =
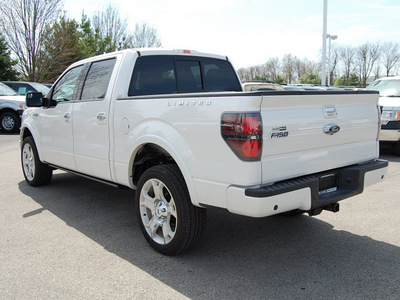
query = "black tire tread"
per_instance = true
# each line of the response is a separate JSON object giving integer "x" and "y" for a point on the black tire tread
{"x": 397, "y": 148}
{"x": 16, "y": 119}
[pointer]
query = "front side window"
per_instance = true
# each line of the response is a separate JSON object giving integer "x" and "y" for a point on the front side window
{"x": 64, "y": 90}
{"x": 97, "y": 80}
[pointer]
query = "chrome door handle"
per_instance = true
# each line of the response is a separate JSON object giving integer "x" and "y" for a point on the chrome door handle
{"x": 67, "y": 116}
{"x": 101, "y": 116}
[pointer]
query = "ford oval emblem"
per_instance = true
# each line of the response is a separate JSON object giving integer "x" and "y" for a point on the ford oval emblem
{"x": 331, "y": 129}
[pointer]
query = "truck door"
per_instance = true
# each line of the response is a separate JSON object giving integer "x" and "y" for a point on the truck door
{"x": 91, "y": 121}
{"x": 55, "y": 126}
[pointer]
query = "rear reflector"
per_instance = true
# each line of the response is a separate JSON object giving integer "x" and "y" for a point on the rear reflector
{"x": 243, "y": 134}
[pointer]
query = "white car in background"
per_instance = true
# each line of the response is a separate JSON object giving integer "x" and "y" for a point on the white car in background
{"x": 389, "y": 102}
{"x": 12, "y": 106}
{"x": 261, "y": 86}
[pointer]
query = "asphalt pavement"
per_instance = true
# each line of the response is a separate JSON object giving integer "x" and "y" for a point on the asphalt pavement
{"x": 78, "y": 239}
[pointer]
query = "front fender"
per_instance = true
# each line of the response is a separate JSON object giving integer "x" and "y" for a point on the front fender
{"x": 28, "y": 128}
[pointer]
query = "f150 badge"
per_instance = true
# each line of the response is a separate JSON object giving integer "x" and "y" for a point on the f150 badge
{"x": 279, "y": 132}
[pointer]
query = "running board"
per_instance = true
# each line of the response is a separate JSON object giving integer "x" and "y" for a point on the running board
{"x": 113, "y": 184}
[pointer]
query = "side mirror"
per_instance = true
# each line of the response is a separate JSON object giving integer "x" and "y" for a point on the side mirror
{"x": 33, "y": 99}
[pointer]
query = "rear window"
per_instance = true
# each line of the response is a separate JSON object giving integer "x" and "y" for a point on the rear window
{"x": 154, "y": 75}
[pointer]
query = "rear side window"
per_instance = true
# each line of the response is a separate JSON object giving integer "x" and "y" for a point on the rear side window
{"x": 181, "y": 74}
{"x": 23, "y": 88}
{"x": 153, "y": 75}
{"x": 97, "y": 80}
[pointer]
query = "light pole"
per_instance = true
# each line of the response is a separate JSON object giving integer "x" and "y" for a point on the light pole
{"x": 324, "y": 26}
{"x": 330, "y": 37}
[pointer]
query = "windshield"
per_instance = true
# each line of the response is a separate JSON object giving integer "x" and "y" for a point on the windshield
{"x": 386, "y": 88}
{"x": 6, "y": 91}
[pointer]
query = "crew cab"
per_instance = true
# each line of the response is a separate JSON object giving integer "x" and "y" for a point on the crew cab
{"x": 175, "y": 126}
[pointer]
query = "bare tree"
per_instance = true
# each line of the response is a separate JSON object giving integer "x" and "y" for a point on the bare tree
{"x": 347, "y": 56}
{"x": 288, "y": 67}
{"x": 110, "y": 29}
{"x": 390, "y": 55}
{"x": 300, "y": 67}
{"x": 368, "y": 55}
{"x": 244, "y": 74}
{"x": 23, "y": 23}
{"x": 334, "y": 59}
{"x": 272, "y": 68}
{"x": 145, "y": 36}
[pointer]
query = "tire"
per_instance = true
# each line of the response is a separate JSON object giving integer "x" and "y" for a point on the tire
{"x": 10, "y": 122}
{"x": 293, "y": 213}
{"x": 35, "y": 172}
{"x": 397, "y": 148}
{"x": 170, "y": 223}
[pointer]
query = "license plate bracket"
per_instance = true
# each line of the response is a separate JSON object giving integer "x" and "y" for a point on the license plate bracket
{"x": 328, "y": 183}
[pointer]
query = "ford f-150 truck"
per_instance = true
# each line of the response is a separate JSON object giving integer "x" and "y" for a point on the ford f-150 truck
{"x": 175, "y": 126}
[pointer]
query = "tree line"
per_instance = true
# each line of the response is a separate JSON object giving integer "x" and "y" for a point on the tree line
{"x": 38, "y": 41}
{"x": 349, "y": 66}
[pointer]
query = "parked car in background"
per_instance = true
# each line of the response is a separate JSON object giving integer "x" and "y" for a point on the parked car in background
{"x": 12, "y": 106}
{"x": 22, "y": 87}
{"x": 261, "y": 86}
{"x": 389, "y": 102}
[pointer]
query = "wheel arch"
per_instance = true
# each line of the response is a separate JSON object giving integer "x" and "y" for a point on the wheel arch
{"x": 24, "y": 133}
{"x": 151, "y": 153}
{"x": 8, "y": 109}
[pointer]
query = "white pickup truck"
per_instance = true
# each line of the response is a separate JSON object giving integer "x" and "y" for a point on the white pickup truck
{"x": 176, "y": 127}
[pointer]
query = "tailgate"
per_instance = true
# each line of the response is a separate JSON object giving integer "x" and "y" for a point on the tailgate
{"x": 309, "y": 132}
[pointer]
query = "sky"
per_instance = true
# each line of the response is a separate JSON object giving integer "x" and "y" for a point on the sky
{"x": 250, "y": 32}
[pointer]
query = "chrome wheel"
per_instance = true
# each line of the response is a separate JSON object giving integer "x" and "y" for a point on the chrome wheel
{"x": 169, "y": 221}
{"x": 28, "y": 162}
{"x": 158, "y": 211}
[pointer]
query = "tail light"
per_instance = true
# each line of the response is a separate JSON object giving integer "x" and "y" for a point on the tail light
{"x": 243, "y": 134}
